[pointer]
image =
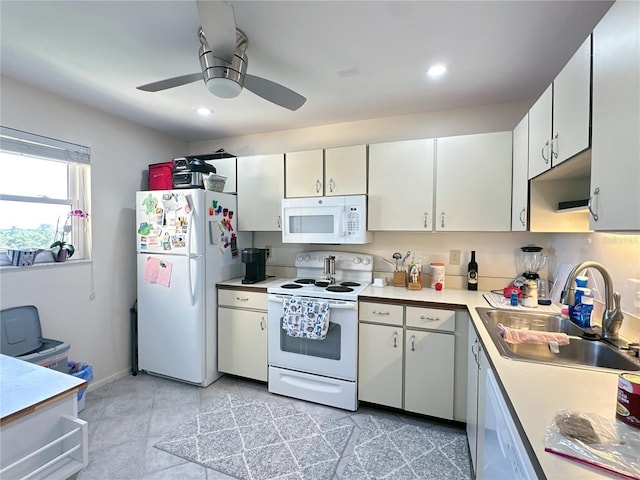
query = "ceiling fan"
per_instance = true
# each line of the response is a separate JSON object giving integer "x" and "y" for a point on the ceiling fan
{"x": 224, "y": 61}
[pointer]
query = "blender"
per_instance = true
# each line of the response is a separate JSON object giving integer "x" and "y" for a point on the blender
{"x": 530, "y": 263}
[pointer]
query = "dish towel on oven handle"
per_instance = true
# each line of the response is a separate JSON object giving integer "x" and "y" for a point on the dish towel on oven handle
{"x": 305, "y": 318}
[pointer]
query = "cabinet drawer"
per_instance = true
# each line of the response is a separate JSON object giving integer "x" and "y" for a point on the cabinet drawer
{"x": 381, "y": 313}
{"x": 431, "y": 318}
{"x": 242, "y": 299}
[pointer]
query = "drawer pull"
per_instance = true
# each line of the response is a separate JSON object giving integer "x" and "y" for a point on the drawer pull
{"x": 245, "y": 299}
{"x": 375, "y": 312}
{"x": 430, "y": 319}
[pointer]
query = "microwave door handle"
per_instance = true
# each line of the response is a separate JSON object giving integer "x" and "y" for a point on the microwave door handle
{"x": 343, "y": 221}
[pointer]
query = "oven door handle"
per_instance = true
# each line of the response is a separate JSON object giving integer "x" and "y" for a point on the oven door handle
{"x": 341, "y": 304}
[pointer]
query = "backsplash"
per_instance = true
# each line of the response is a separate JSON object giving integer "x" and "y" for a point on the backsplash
{"x": 497, "y": 255}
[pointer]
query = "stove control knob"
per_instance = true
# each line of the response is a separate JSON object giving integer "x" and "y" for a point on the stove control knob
{"x": 307, "y": 258}
{"x": 300, "y": 258}
{"x": 357, "y": 260}
{"x": 366, "y": 261}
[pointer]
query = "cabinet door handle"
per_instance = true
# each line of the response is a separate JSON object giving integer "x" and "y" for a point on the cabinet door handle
{"x": 318, "y": 186}
{"x": 413, "y": 343}
{"x": 395, "y": 339}
{"x": 474, "y": 351}
{"x": 375, "y": 312}
{"x": 244, "y": 299}
{"x": 554, "y": 151}
{"x": 332, "y": 185}
{"x": 426, "y": 218}
{"x": 430, "y": 319}
{"x": 522, "y": 216}
{"x": 279, "y": 223}
{"x": 442, "y": 219}
{"x": 545, "y": 158}
{"x": 262, "y": 323}
{"x": 596, "y": 192}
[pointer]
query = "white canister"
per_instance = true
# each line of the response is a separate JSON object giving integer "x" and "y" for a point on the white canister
{"x": 437, "y": 276}
{"x": 530, "y": 293}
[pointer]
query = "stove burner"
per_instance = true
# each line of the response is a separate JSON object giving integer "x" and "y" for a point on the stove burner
{"x": 339, "y": 288}
{"x": 291, "y": 285}
{"x": 305, "y": 281}
{"x": 350, "y": 284}
{"x": 322, "y": 283}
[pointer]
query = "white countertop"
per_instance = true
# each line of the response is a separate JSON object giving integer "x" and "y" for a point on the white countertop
{"x": 535, "y": 391}
{"x": 24, "y": 386}
{"x": 261, "y": 286}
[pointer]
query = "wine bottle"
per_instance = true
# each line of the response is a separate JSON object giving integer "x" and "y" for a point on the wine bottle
{"x": 472, "y": 273}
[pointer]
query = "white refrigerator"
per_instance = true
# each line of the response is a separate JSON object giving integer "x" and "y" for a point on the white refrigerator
{"x": 186, "y": 242}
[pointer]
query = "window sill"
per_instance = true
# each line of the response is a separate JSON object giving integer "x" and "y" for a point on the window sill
{"x": 44, "y": 265}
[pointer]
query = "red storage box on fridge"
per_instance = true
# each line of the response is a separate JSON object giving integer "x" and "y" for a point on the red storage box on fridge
{"x": 161, "y": 176}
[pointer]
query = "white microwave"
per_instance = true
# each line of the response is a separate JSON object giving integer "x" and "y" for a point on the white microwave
{"x": 333, "y": 220}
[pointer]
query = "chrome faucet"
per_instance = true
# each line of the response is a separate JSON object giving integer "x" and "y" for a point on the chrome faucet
{"x": 612, "y": 315}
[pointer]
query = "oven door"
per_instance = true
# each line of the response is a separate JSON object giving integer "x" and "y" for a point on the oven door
{"x": 334, "y": 356}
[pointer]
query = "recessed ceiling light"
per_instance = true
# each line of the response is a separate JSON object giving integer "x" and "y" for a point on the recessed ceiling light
{"x": 437, "y": 70}
{"x": 204, "y": 111}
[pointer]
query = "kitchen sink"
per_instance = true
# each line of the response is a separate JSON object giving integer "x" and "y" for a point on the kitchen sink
{"x": 583, "y": 350}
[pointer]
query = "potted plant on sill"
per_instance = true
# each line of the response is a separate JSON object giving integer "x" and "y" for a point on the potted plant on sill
{"x": 61, "y": 249}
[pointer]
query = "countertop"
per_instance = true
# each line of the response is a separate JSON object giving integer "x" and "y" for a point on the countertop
{"x": 25, "y": 387}
{"x": 236, "y": 283}
{"x": 536, "y": 392}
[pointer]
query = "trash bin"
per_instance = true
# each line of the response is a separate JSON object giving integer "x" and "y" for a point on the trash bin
{"x": 83, "y": 371}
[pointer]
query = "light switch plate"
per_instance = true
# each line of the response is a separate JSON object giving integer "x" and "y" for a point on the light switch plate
{"x": 454, "y": 257}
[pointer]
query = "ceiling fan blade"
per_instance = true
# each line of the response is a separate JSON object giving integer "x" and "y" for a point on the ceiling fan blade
{"x": 274, "y": 92}
{"x": 219, "y": 26}
{"x": 171, "y": 82}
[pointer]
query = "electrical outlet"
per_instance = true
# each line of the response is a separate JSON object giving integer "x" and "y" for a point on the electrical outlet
{"x": 454, "y": 257}
{"x": 268, "y": 248}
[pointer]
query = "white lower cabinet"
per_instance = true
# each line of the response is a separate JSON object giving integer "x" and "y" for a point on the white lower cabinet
{"x": 242, "y": 333}
{"x": 476, "y": 397}
{"x": 428, "y": 388}
{"x": 380, "y": 364}
{"x": 407, "y": 358}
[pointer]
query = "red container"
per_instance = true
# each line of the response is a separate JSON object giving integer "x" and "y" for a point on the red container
{"x": 161, "y": 176}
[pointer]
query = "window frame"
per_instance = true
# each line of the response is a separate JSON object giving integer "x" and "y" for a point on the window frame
{"x": 77, "y": 161}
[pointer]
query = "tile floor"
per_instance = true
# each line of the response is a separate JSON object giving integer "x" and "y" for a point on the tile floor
{"x": 130, "y": 415}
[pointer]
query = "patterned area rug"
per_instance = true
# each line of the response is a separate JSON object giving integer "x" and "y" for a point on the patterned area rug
{"x": 259, "y": 441}
{"x": 255, "y": 440}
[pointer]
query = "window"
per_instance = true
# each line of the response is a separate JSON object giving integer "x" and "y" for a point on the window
{"x": 43, "y": 180}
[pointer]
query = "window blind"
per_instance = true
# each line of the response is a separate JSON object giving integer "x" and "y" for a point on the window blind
{"x": 24, "y": 143}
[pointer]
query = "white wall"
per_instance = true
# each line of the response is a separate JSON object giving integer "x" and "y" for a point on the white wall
{"x": 98, "y": 328}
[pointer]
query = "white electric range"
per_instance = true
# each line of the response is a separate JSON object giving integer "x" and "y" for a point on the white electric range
{"x": 322, "y": 371}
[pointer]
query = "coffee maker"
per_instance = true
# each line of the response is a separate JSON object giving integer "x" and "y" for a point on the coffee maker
{"x": 255, "y": 260}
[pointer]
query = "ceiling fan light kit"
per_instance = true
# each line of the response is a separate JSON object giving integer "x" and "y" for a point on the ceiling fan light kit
{"x": 224, "y": 70}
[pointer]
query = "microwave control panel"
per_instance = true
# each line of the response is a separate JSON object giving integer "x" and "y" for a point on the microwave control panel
{"x": 353, "y": 220}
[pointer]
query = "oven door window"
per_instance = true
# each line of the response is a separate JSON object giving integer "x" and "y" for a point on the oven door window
{"x": 329, "y": 347}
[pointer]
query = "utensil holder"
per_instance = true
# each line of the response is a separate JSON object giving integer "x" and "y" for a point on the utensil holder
{"x": 399, "y": 279}
{"x": 415, "y": 285}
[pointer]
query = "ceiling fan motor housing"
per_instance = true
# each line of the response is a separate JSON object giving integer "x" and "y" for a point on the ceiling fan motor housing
{"x": 222, "y": 78}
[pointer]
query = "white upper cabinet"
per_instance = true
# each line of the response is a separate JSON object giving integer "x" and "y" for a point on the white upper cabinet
{"x": 571, "y": 106}
{"x": 345, "y": 170}
{"x": 304, "y": 174}
{"x": 520, "y": 184}
{"x": 559, "y": 120}
{"x": 334, "y": 171}
{"x": 540, "y": 133}
{"x": 260, "y": 192}
{"x": 226, "y": 167}
{"x": 401, "y": 185}
{"x": 473, "y": 182}
{"x": 615, "y": 153}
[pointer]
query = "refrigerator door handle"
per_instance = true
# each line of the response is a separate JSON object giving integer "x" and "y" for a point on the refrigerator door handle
{"x": 190, "y": 257}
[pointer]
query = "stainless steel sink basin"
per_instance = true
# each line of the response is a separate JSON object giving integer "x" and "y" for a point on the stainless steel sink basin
{"x": 579, "y": 352}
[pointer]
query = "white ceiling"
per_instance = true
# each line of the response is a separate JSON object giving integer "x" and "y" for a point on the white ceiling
{"x": 97, "y": 52}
